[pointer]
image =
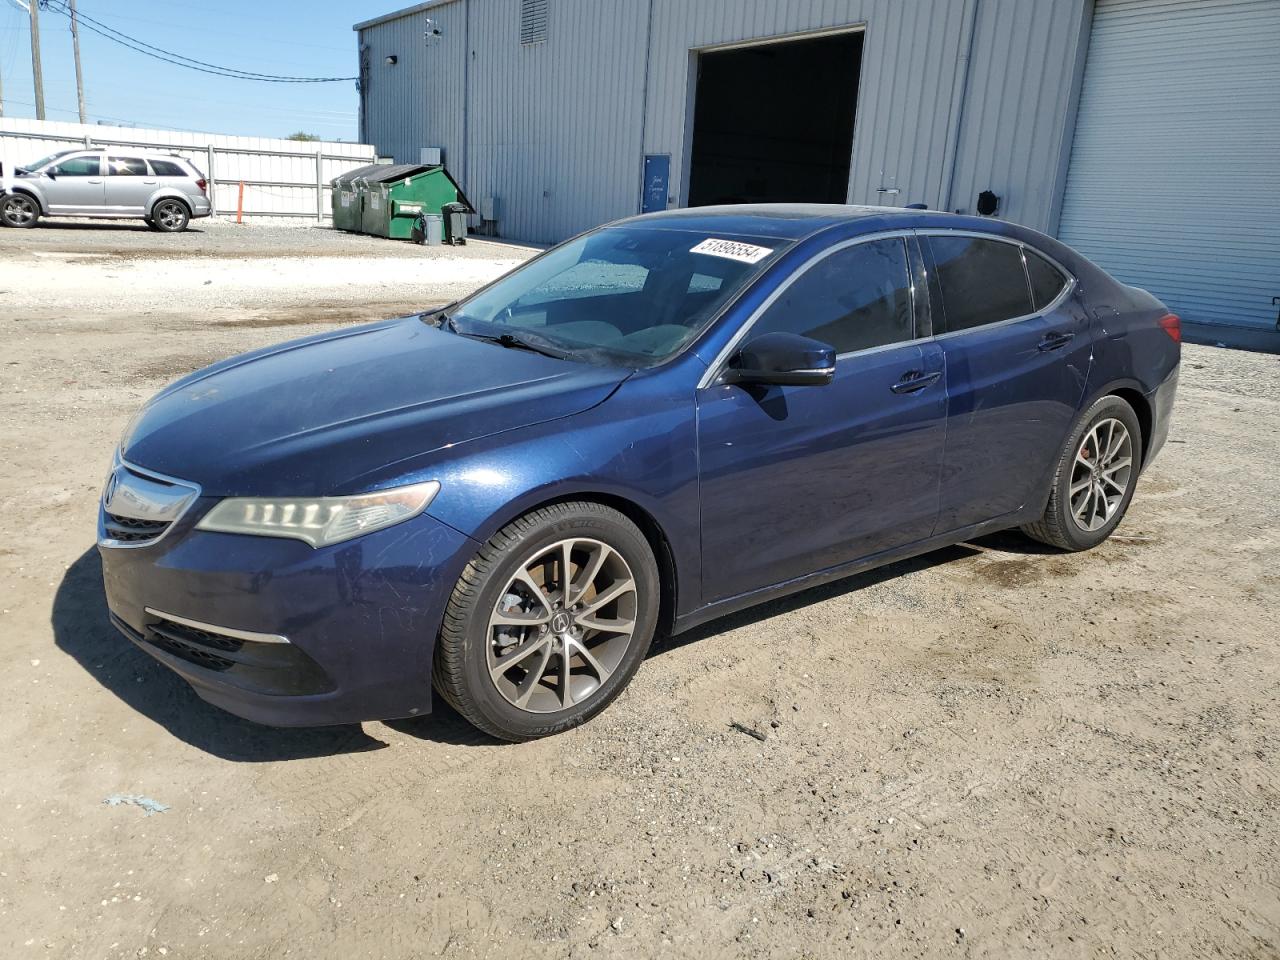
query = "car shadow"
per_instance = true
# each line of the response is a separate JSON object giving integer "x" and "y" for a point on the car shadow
{"x": 827, "y": 591}
{"x": 109, "y": 226}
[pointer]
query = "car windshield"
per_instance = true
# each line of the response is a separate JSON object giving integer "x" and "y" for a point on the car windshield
{"x": 28, "y": 167}
{"x": 633, "y": 294}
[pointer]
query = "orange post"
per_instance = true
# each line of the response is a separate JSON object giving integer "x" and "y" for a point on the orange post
{"x": 240, "y": 205}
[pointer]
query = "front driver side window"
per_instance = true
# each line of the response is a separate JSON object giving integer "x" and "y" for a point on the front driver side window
{"x": 78, "y": 167}
{"x": 854, "y": 299}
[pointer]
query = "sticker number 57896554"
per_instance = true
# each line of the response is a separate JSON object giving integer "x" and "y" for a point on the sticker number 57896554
{"x": 732, "y": 250}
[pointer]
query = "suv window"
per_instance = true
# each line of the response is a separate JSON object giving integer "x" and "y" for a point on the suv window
{"x": 1047, "y": 280}
{"x": 126, "y": 166}
{"x": 982, "y": 281}
{"x": 167, "y": 168}
{"x": 78, "y": 167}
{"x": 854, "y": 299}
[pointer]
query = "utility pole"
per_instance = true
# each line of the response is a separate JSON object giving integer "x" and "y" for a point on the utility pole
{"x": 37, "y": 74}
{"x": 75, "y": 44}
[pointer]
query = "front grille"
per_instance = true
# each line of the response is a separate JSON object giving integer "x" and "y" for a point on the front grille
{"x": 139, "y": 507}
{"x": 131, "y": 530}
{"x": 200, "y": 647}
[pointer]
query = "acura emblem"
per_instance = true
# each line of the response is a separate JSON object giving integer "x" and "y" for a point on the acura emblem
{"x": 109, "y": 490}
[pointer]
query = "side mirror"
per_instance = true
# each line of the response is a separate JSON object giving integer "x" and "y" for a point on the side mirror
{"x": 50, "y": 174}
{"x": 785, "y": 359}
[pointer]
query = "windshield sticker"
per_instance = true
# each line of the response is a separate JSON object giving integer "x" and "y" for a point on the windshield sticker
{"x": 732, "y": 250}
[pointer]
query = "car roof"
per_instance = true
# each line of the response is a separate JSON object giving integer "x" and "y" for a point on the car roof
{"x": 129, "y": 152}
{"x": 795, "y": 221}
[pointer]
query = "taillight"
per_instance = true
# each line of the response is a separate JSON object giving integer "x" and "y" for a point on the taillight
{"x": 1171, "y": 325}
{"x": 204, "y": 188}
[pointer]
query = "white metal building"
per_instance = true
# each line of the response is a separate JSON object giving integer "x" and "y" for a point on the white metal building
{"x": 1144, "y": 132}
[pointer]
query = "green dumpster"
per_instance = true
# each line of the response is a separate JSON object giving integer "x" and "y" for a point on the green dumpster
{"x": 345, "y": 199}
{"x": 388, "y": 200}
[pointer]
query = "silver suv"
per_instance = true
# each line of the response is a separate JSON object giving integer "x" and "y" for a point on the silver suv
{"x": 163, "y": 189}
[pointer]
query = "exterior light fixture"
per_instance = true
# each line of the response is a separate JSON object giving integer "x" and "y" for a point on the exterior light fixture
{"x": 392, "y": 60}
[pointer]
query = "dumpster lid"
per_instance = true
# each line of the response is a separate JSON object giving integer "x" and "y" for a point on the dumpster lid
{"x": 390, "y": 172}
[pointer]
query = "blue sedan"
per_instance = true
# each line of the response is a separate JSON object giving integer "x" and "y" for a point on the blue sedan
{"x": 656, "y": 423}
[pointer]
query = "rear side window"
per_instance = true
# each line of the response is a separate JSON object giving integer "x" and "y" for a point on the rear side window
{"x": 126, "y": 166}
{"x": 982, "y": 281}
{"x": 854, "y": 299}
{"x": 166, "y": 168}
{"x": 1047, "y": 280}
{"x": 78, "y": 167}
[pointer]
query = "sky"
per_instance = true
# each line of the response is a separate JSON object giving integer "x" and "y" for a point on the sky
{"x": 299, "y": 38}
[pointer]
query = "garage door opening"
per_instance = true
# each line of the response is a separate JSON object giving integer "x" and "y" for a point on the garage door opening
{"x": 774, "y": 122}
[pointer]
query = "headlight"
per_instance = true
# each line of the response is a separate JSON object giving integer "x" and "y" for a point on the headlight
{"x": 319, "y": 521}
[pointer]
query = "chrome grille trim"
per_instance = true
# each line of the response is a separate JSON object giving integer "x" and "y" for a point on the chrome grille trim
{"x": 249, "y": 635}
{"x": 138, "y": 506}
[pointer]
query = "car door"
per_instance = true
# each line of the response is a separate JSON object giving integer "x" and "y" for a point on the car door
{"x": 796, "y": 479}
{"x": 1016, "y": 363}
{"x": 130, "y": 185}
{"x": 74, "y": 185}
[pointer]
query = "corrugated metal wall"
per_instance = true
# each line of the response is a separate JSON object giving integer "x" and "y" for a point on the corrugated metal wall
{"x": 1019, "y": 107}
{"x": 279, "y": 175}
{"x": 418, "y": 101}
{"x": 554, "y": 127}
{"x": 557, "y": 130}
{"x": 1175, "y": 173}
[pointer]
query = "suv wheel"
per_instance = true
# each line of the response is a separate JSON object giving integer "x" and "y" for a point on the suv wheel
{"x": 549, "y": 622}
{"x": 1096, "y": 475}
{"x": 19, "y": 210}
{"x": 170, "y": 216}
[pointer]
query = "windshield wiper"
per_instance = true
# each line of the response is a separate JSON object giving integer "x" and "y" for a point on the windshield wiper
{"x": 513, "y": 342}
{"x": 505, "y": 339}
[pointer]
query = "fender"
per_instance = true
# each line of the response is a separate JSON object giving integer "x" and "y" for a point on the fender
{"x": 638, "y": 449}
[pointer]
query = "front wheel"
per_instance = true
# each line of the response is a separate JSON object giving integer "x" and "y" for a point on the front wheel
{"x": 169, "y": 216}
{"x": 1094, "y": 482}
{"x": 549, "y": 622}
{"x": 19, "y": 210}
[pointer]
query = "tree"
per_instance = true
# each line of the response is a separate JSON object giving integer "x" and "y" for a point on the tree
{"x": 303, "y": 136}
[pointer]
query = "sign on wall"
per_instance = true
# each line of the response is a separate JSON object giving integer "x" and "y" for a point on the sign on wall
{"x": 657, "y": 174}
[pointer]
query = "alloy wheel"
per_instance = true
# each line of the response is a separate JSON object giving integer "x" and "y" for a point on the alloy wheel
{"x": 1101, "y": 474}
{"x": 562, "y": 625}
{"x": 170, "y": 215}
{"x": 19, "y": 210}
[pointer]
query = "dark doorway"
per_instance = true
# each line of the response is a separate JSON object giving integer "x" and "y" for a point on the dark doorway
{"x": 774, "y": 122}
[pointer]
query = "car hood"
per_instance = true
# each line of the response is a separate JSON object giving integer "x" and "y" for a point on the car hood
{"x": 336, "y": 413}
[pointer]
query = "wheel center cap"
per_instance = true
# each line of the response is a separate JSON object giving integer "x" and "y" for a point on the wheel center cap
{"x": 561, "y": 622}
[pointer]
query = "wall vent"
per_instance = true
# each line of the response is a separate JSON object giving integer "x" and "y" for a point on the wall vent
{"x": 533, "y": 21}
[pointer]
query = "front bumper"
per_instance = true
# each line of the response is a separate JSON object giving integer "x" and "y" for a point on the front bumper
{"x": 283, "y": 634}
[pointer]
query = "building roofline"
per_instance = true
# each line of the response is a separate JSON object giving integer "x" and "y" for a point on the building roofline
{"x": 397, "y": 14}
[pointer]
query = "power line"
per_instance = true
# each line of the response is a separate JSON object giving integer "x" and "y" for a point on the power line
{"x": 177, "y": 59}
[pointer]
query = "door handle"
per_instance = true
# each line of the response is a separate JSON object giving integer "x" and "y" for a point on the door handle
{"x": 914, "y": 380}
{"x": 1055, "y": 340}
{"x": 94, "y": 180}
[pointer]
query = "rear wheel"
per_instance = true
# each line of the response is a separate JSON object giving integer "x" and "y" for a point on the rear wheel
{"x": 549, "y": 622}
{"x": 1095, "y": 479}
{"x": 19, "y": 210}
{"x": 169, "y": 216}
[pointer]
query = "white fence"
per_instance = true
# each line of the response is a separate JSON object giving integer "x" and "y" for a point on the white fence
{"x": 282, "y": 178}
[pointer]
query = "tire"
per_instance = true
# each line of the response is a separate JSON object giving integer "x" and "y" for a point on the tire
{"x": 535, "y": 696}
{"x": 1094, "y": 480}
{"x": 19, "y": 210}
{"x": 169, "y": 216}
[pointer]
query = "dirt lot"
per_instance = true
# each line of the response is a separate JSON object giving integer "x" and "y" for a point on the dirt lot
{"x": 989, "y": 751}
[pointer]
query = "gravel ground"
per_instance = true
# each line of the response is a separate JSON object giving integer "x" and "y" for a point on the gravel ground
{"x": 991, "y": 751}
